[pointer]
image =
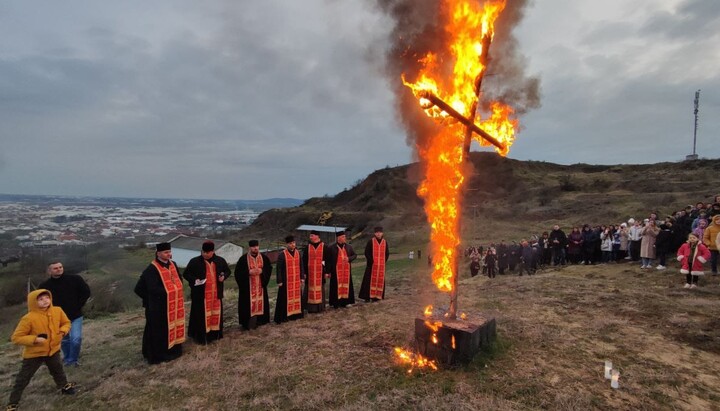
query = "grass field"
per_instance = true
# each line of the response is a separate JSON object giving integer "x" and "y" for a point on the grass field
{"x": 555, "y": 330}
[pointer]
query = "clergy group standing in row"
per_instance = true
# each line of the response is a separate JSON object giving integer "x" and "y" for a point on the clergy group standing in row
{"x": 301, "y": 278}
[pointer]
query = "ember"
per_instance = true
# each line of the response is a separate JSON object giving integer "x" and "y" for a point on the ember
{"x": 414, "y": 360}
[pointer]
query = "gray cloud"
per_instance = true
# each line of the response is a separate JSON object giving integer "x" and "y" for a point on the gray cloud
{"x": 274, "y": 98}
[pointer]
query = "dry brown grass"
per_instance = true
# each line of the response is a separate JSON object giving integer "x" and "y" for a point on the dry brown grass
{"x": 554, "y": 332}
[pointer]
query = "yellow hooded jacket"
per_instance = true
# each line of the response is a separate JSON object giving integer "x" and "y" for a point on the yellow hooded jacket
{"x": 712, "y": 231}
{"x": 53, "y": 322}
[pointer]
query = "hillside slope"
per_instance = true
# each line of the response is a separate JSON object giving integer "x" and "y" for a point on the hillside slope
{"x": 502, "y": 191}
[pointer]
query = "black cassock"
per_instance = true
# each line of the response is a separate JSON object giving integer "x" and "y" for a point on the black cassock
{"x": 155, "y": 336}
{"x": 365, "y": 286}
{"x": 196, "y": 270}
{"x": 281, "y": 315}
{"x": 332, "y": 251}
{"x": 242, "y": 276}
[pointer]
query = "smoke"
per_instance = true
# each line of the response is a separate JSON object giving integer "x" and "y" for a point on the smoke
{"x": 419, "y": 30}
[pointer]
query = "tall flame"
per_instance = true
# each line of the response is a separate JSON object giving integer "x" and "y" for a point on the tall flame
{"x": 467, "y": 23}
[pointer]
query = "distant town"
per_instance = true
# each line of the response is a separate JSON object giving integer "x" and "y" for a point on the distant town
{"x": 28, "y": 222}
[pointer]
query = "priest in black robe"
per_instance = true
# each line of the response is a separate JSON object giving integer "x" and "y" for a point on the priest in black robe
{"x": 204, "y": 272}
{"x": 290, "y": 276}
{"x": 253, "y": 302}
{"x": 158, "y": 344}
{"x": 340, "y": 253}
{"x": 376, "y": 241}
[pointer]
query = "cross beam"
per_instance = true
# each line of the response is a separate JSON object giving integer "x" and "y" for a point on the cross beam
{"x": 437, "y": 101}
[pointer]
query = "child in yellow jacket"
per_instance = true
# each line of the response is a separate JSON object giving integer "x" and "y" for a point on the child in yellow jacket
{"x": 40, "y": 332}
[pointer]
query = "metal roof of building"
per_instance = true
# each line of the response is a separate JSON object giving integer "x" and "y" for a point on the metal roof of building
{"x": 320, "y": 228}
{"x": 194, "y": 243}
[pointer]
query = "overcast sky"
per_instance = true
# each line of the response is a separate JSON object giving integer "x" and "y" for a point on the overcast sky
{"x": 284, "y": 98}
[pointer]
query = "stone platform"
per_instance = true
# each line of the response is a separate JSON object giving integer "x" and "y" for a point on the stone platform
{"x": 452, "y": 342}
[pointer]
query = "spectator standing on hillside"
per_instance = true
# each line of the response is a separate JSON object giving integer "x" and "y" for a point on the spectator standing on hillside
{"x": 502, "y": 257}
{"x": 647, "y": 247}
{"x": 664, "y": 243}
{"x": 699, "y": 231}
{"x": 315, "y": 263}
{"x": 474, "y": 263}
{"x": 161, "y": 290}
{"x": 340, "y": 258}
{"x": 701, "y": 216}
{"x": 70, "y": 292}
{"x": 252, "y": 274}
{"x": 206, "y": 276}
{"x": 635, "y": 237}
{"x": 606, "y": 244}
{"x": 558, "y": 241}
{"x": 40, "y": 332}
{"x": 290, "y": 275}
{"x": 588, "y": 244}
{"x": 714, "y": 210}
{"x": 623, "y": 234}
{"x": 377, "y": 252}
{"x": 513, "y": 255}
{"x": 692, "y": 255}
{"x": 490, "y": 260}
{"x": 526, "y": 258}
{"x": 710, "y": 233}
{"x": 545, "y": 249}
{"x": 575, "y": 242}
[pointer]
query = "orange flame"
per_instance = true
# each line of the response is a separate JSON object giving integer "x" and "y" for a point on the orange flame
{"x": 414, "y": 360}
{"x": 428, "y": 311}
{"x": 453, "y": 342}
{"x": 435, "y": 326}
{"x": 467, "y": 22}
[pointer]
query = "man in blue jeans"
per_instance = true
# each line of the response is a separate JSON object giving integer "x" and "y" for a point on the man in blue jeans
{"x": 70, "y": 292}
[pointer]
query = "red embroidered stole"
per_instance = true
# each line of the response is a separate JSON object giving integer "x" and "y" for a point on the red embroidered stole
{"x": 342, "y": 268}
{"x": 292, "y": 283}
{"x": 212, "y": 303}
{"x": 256, "y": 288}
{"x": 175, "y": 304}
{"x": 315, "y": 273}
{"x": 377, "y": 272}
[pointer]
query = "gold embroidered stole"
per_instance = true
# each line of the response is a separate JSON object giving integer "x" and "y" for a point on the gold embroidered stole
{"x": 377, "y": 272}
{"x": 256, "y": 288}
{"x": 315, "y": 273}
{"x": 212, "y": 303}
{"x": 342, "y": 268}
{"x": 292, "y": 282}
{"x": 175, "y": 303}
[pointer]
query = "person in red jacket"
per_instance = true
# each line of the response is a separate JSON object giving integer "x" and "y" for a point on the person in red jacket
{"x": 692, "y": 255}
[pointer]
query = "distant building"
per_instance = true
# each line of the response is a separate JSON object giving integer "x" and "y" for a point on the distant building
{"x": 327, "y": 233}
{"x": 184, "y": 248}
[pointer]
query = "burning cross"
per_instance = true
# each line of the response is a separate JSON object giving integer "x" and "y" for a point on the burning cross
{"x": 428, "y": 101}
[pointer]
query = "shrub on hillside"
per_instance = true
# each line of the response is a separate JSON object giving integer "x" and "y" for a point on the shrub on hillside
{"x": 111, "y": 297}
{"x": 567, "y": 183}
{"x": 13, "y": 291}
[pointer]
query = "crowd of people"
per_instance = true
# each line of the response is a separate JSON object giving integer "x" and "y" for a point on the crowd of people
{"x": 54, "y": 319}
{"x": 691, "y": 235}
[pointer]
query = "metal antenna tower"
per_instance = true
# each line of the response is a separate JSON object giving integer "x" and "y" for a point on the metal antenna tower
{"x": 694, "y": 155}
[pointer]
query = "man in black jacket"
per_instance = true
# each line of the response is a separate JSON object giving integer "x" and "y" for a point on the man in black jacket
{"x": 206, "y": 274}
{"x": 70, "y": 292}
{"x": 558, "y": 242}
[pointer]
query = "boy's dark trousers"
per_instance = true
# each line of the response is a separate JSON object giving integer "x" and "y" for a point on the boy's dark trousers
{"x": 29, "y": 368}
